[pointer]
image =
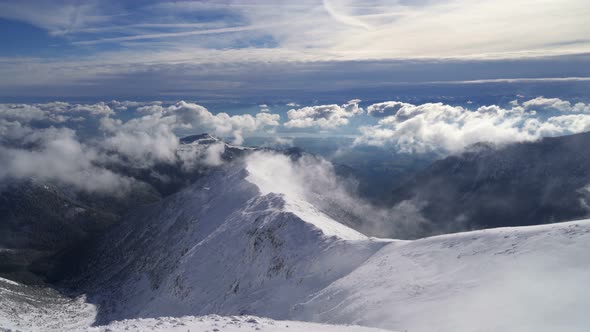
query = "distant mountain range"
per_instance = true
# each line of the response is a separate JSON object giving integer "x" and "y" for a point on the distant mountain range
{"x": 515, "y": 185}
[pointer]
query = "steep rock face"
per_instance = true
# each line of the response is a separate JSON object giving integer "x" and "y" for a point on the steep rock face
{"x": 220, "y": 246}
{"x": 516, "y": 185}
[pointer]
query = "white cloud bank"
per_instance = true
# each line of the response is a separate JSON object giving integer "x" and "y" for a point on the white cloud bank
{"x": 449, "y": 129}
{"x": 323, "y": 116}
{"x": 554, "y": 104}
{"x": 74, "y": 143}
{"x": 191, "y": 116}
{"x": 41, "y": 140}
{"x": 59, "y": 156}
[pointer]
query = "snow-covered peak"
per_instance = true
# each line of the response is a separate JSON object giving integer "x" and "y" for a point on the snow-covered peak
{"x": 275, "y": 173}
{"x": 222, "y": 246}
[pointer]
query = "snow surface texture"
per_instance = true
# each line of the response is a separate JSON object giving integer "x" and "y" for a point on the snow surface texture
{"x": 215, "y": 323}
{"x": 509, "y": 279}
{"x": 26, "y": 308}
{"x": 245, "y": 241}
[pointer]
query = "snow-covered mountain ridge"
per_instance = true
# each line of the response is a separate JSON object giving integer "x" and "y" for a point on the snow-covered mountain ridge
{"x": 221, "y": 246}
{"x": 248, "y": 240}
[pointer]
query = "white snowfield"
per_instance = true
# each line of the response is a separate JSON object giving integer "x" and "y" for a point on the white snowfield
{"x": 509, "y": 279}
{"x": 214, "y": 323}
{"x": 246, "y": 242}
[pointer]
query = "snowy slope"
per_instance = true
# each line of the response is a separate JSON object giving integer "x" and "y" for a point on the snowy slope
{"x": 28, "y": 308}
{"x": 246, "y": 240}
{"x": 215, "y": 323}
{"x": 509, "y": 279}
{"x": 221, "y": 246}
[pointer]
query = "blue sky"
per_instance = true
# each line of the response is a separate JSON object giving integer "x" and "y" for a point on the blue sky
{"x": 259, "y": 50}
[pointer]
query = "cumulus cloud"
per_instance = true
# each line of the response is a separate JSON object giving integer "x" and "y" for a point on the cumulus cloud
{"x": 555, "y": 104}
{"x": 59, "y": 156}
{"x": 106, "y": 137}
{"x": 56, "y": 112}
{"x": 21, "y": 112}
{"x": 190, "y": 116}
{"x": 12, "y": 131}
{"x": 96, "y": 109}
{"x": 323, "y": 116}
{"x": 448, "y": 129}
{"x": 151, "y": 138}
{"x": 144, "y": 141}
{"x": 32, "y": 146}
{"x": 384, "y": 109}
{"x": 193, "y": 155}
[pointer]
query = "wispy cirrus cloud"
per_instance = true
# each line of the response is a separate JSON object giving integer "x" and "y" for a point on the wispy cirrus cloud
{"x": 94, "y": 41}
{"x": 351, "y": 29}
{"x": 165, "y": 35}
{"x": 57, "y": 17}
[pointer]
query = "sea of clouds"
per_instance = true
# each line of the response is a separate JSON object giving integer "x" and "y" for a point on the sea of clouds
{"x": 78, "y": 144}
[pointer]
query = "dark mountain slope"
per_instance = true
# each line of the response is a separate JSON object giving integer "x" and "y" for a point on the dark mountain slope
{"x": 519, "y": 184}
{"x": 46, "y": 228}
{"x": 38, "y": 222}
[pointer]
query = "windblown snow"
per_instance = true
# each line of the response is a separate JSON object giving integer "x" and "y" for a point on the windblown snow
{"x": 246, "y": 241}
{"x": 273, "y": 173}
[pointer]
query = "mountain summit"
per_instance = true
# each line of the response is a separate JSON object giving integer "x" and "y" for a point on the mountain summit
{"x": 224, "y": 245}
